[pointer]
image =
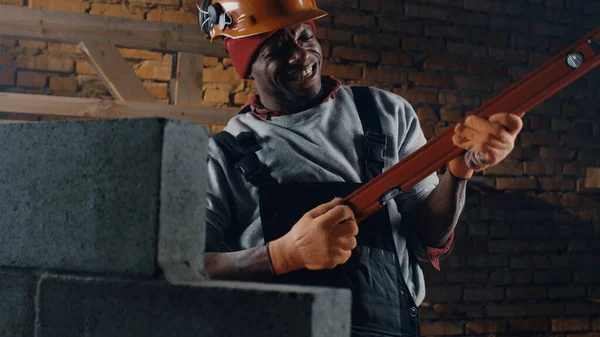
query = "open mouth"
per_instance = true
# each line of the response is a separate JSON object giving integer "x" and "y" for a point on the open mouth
{"x": 305, "y": 74}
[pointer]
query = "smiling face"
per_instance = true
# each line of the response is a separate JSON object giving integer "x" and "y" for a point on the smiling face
{"x": 287, "y": 69}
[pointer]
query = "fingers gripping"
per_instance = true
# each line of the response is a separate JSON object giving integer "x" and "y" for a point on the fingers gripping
{"x": 462, "y": 142}
{"x": 498, "y": 132}
{"x": 491, "y": 139}
{"x": 482, "y": 124}
{"x": 483, "y": 130}
{"x": 324, "y": 208}
{"x": 511, "y": 122}
{"x": 336, "y": 215}
{"x": 346, "y": 243}
{"x": 347, "y": 228}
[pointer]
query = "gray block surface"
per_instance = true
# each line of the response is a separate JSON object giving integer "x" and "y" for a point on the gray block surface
{"x": 81, "y": 195}
{"x": 183, "y": 202}
{"x": 16, "y": 304}
{"x": 72, "y": 307}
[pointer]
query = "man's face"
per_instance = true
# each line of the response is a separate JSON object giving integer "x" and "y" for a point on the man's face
{"x": 288, "y": 66}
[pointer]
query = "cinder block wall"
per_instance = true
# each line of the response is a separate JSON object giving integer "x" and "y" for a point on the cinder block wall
{"x": 527, "y": 249}
{"x": 95, "y": 215}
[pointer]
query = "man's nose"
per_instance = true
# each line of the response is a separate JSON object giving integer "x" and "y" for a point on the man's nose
{"x": 297, "y": 55}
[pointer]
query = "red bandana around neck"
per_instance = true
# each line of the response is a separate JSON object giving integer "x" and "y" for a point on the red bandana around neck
{"x": 253, "y": 105}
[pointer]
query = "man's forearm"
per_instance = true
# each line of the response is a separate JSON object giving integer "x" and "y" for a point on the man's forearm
{"x": 246, "y": 265}
{"x": 438, "y": 214}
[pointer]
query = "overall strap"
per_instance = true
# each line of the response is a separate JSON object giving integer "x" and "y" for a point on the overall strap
{"x": 241, "y": 151}
{"x": 375, "y": 140}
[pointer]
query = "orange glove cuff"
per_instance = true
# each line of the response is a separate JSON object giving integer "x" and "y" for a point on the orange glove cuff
{"x": 459, "y": 168}
{"x": 280, "y": 257}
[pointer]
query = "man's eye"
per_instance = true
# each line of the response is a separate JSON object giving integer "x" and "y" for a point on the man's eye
{"x": 305, "y": 38}
{"x": 270, "y": 54}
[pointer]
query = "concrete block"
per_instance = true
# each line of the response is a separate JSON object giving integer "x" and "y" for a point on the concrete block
{"x": 84, "y": 195}
{"x": 71, "y": 306}
{"x": 16, "y": 304}
{"x": 183, "y": 202}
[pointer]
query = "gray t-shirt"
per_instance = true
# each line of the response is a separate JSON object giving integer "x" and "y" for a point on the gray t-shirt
{"x": 322, "y": 144}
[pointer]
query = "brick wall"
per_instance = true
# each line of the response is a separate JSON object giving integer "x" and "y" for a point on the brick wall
{"x": 528, "y": 243}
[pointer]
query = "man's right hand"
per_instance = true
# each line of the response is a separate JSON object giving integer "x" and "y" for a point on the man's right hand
{"x": 322, "y": 239}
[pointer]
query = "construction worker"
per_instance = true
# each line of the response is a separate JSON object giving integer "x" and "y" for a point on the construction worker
{"x": 279, "y": 169}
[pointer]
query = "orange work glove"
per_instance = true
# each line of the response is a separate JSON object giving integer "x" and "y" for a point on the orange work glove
{"x": 322, "y": 239}
{"x": 487, "y": 141}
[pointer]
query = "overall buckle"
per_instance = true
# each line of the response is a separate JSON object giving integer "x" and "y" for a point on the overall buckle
{"x": 376, "y": 144}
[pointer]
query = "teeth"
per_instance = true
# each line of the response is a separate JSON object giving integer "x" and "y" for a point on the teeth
{"x": 305, "y": 73}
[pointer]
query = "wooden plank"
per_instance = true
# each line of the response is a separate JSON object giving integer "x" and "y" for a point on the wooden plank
{"x": 21, "y": 117}
{"x": 115, "y": 72}
{"x": 69, "y": 27}
{"x": 108, "y": 108}
{"x": 188, "y": 80}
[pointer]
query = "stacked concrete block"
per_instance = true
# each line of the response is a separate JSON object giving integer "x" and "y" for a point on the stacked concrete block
{"x": 105, "y": 211}
{"x": 182, "y": 209}
{"x": 81, "y": 195}
{"x": 68, "y": 306}
{"x": 17, "y": 290}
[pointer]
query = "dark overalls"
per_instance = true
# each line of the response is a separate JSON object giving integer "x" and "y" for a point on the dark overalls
{"x": 381, "y": 302}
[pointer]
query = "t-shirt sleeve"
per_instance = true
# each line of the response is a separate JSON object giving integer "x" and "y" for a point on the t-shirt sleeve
{"x": 231, "y": 201}
{"x": 218, "y": 200}
{"x": 412, "y": 138}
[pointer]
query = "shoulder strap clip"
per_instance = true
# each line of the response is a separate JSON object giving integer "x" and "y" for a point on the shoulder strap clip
{"x": 376, "y": 144}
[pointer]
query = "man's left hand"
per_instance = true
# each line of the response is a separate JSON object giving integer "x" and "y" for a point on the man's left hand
{"x": 488, "y": 141}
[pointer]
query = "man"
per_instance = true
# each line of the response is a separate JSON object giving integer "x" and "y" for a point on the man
{"x": 279, "y": 169}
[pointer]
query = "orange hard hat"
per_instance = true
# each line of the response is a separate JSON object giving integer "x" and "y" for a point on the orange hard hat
{"x": 242, "y": 18}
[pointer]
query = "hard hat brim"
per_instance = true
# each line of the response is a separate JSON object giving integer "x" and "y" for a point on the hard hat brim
{"x": 271, "y": 25}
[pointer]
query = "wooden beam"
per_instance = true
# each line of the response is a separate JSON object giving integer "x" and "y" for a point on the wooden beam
{"x": 115, "y": 72}
{"x": 188, "y": 80}
{"x": 69, "y": 27}
{"x": 29, "y": 117}
{"x": 108, "y": 108}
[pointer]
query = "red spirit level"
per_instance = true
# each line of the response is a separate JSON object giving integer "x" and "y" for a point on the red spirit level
{"x": 520, "y": 97}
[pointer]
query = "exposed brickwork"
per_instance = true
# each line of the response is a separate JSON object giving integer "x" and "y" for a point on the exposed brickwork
{"x": 443, "y": 329}
{"x": 180, "y": 16}
{"x": 46, "y": 62}
{"x": 63, "y": 84}
{"x": 155, "y": 2}
{"x": 6, "y": 59}
{"x": 32, "y": 44}
{"x": 7, "y": 77}
{"x": 158, "y": 90}
{"x": 4, "y": 42}
{"x": 485, "y": 326}
{"x": 11, "y": 2}
{"x": 572, "y": 324}
{"x": 31, "y": 79}
{"x": 522, "y": 264}
{"x": 62, "y": 5}
{"x": 596, "y": 324}
{"x": 140, "y": 54}
{"x": 153, "y": 70}
{"x": 118, "y": 10}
